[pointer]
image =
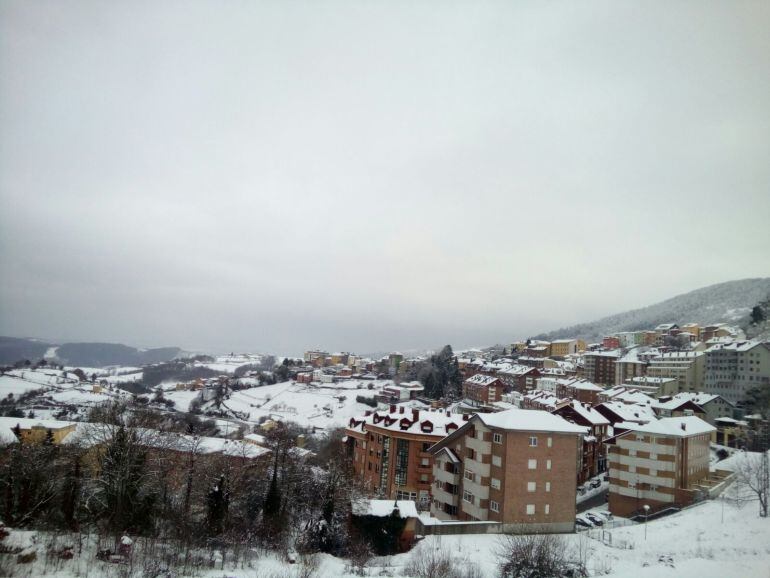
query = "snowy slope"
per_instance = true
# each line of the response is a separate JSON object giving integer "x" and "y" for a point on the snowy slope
{"x": 726, "y": 302}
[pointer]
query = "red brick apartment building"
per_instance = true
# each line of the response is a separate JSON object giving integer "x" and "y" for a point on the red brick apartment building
{"x": 390, "y": 450}
{"x": 659, "y": 464}
{"x": 594, "y": 459}
{"x": 599, "y": 366}
{"x": 515, "y": 467}
{"x": 483, "y": 390}
{"x": 521, "y": 378}
{"x": 580, "y": 389}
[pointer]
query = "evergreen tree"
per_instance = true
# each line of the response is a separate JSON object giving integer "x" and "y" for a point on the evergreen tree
{"x": 217, "y": 504}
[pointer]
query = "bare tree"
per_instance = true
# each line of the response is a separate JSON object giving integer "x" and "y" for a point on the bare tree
{"x": 537, "y": 556}
{"x": 751, "y": 477}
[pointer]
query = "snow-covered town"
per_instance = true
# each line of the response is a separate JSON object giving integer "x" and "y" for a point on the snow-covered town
{"x": 424, "y": 289}
{"x": 397, "y": 465}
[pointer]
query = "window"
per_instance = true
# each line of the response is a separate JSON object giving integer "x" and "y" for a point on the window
{"x": 425, "y": 462}
{"x": 497, "y": 438}
{"x": 548, "y": 486}
{"x": 653, "y": 456}
{"x": 495, "y": 483}
{"x": 469, "y": 453}
{"x": 402, "y": 462}
{"x": 547, "y": 464}
{"x": 468, "y": 497}
{"x": 497, "y": 461}
{"x": 632, "y": 469}
{"x": 530, "y": 509}
{"x": 533, "y": 441}
{"x": 469, "y": 475}
{"x": 494, "y": 506}
{"x": 423, "y": 477}
{"x": 550, "y": 442}
{"x": 531, "y": 486}
{"x": 548, "y": 508}
{"x": 653, "y": 472}
{"x": 532, "y": 464}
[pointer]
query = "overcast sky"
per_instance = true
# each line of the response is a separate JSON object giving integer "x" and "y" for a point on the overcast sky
{"x": 273, "y": 176}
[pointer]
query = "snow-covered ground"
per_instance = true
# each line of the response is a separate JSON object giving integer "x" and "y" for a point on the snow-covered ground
{"x": 717, "y": 539}
{"x": 229, "y": 363}
{"x": 310, "y": 405}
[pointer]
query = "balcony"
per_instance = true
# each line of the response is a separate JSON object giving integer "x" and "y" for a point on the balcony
{"x": 481, "y": 492}
{"x": 479, "y": 446}
{"x": 474, "y": 510}
{"x": 444, "y": 476}
{"x": 478, "y": 468}
{"x": 445, "y": 497}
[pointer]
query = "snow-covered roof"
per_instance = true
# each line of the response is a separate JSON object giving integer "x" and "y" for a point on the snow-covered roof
{"x": 588, "y": 413}
{"x": 481, "y": 379}
{"x": 610, "y": 353}
{"x": 700, "y": 398}
{"x": 384, "y": 508}
{"x": 529, "y": 420}
{"x": 630, "y": 412}
{"x": 517, "y": 370}
{"x": 450, "y": 454}
{"x": 685, "y": 426}
{"x": 740, "y": 346}
{"x": 433, "y": 423}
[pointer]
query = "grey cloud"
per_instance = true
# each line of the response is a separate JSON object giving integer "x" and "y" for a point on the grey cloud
{"x": 370, "y": 176}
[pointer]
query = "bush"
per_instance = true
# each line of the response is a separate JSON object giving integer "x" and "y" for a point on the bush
{"x": 436, "y": 561}
{"x": 537, "y": 556}
{"x": 370, "y": 401}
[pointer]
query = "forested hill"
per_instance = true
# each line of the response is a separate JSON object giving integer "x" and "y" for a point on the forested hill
{"x": 13, "y": 349}
{"x": 729, "y": 302}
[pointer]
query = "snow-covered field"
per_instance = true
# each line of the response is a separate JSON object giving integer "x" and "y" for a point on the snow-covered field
{"x": 310, "y": 405}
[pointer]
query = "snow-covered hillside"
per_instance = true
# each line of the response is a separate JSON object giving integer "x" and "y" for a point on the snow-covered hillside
{"x": 321, "y": 406}
{"x": 728, "y": 302}
{"x": 716, "y": 539}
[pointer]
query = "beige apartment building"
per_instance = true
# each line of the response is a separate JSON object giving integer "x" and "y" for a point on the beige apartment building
{"x": 660, "y": 464}
{"x": 517, "y": 467}
{"x": 687, "y": 367}
{"x": 564, "y": 347}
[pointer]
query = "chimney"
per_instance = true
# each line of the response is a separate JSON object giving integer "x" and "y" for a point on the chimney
{"x": 392, "y": 408}
{"x": 466, "y": 417}
{"x": 367, "y": 413}
{"x": 401, "y": 409}
{"x": 415, "y": 414}
{"x": 684, "y": 426}
{"x": 448, "y": 413}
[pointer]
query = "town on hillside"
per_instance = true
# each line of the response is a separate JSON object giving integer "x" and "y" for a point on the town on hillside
{"x": 541, "y": 437}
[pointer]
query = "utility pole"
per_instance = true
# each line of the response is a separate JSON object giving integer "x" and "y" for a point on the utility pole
{"x": 646, "y": 514}
{"x": 765, "y": 481}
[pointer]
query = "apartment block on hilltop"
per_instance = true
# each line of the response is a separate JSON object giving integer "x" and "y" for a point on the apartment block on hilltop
{"x": 516, "y": 467}
{"x": 660, "y": 464}
{"x": 564, "y": 347}
{"x": 687, "y": 367}
{"x": 732, "y": 369}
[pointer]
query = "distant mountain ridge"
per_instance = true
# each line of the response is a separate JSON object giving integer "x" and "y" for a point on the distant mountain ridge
{"x": 13, "y": 349}
{"x": 729, "y": 302}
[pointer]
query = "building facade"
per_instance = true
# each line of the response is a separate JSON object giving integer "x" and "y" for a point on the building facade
{"x": 389, "y": 450}
{"x": 658, "y": 464}
{"x": 732, "y": 369}
{"x": 516, "y": 467}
